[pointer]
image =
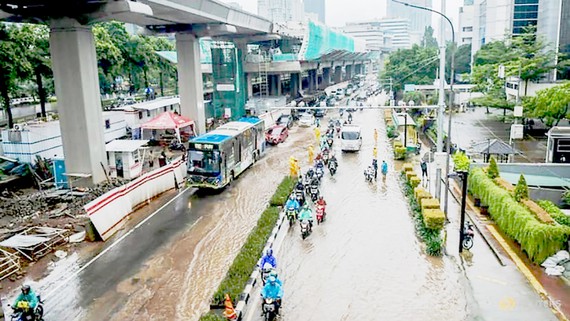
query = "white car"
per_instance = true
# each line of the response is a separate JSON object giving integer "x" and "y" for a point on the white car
{"x": 306, "y": 120}
{"x": 350, "y": 138}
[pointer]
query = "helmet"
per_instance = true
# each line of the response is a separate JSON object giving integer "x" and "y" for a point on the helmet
{"x": 269, "y": 252}
{"x": 291, "y": 197}
{"x": 321, "y": 197}
{"x": 26, "y": 289}
{"x": 273, "y": 273}
{"x": 272, "y": 280}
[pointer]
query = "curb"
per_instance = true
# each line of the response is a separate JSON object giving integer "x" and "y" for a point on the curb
{"x": 246, "y": 294}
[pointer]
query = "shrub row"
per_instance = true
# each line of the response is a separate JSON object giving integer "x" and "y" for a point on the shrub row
{"x": 428, "y": 218}
{"x": 246, "y": 260}
{"x": 537, "y": 239}
{"x": 555, "y": 212}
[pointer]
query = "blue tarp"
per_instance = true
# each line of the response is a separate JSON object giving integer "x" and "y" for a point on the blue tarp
{"x": 322, "y": 40}
{"x": 205, "y": 53}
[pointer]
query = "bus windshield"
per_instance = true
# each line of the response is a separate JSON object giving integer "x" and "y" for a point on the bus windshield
{"x": 350, "y": 135}
{"x": 204, "y": 161}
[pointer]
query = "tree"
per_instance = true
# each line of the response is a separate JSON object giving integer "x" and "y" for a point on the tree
{"x": 13, "y": 66}
{"x": 462, "y": 60}
{"x": 109, "y": 56}
{"x": 549, "y": 105}
{"x": 35, "y": 39}
{"x": 428, "y": 40}
{"x": 521, "y": 190}
{"x": 493, "y": 171}
{"x": 417, "y": 65}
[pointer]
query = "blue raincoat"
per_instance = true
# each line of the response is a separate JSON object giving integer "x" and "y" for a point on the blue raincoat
{"x": 274, "y": 291}
{"x": 31, "y": 297}
{"x": 306, "y": 214}
{"x": 384, "y": 168}
{"x": 292, "y": 203}
{"x": 269, "y": 258}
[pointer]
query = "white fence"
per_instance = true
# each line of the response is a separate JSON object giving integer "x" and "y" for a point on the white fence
{"x": 109, "y": 211}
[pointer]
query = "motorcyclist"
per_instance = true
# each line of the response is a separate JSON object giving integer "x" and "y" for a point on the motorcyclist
{"x": 292, "y": 203}
{"x": 27, "y": 295}
{"x": 333, "y": 160}
{"x": 273, "y": 273}
{"x": 350, "y": 117}
{"x": 375, "y": 166}
{"x": 321, "y": 201}
{"x": 269, "y": 258}
{"x": 307, "y": 214}
{"x": 273, "y": 290}
{"x": 300, "y": 186}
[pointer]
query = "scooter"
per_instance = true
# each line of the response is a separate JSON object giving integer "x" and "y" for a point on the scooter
{"x": 269, "y": 309}
{"x": 305, "y": 228}
{"x": 330, "y": 141}
{"x": 291, "y": 215}
{"x": 300, "y": 195}
{"x": 314, "y": 192}
{"x": 332, "y": 168}
{"x": 325, "y": 158}
{"x": 369, "y": 174}
{"x": 23, "y": 312}
{"x": 321, "y": 213}
{"x": 468, "y": 235}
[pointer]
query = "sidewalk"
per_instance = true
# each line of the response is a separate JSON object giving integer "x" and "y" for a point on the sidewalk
{"x": 503, "y": 283}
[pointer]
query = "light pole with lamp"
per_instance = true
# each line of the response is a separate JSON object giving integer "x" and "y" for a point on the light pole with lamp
{"x": 442, "y": 94}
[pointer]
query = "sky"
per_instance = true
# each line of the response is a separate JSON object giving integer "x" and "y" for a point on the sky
{"x": 338, "y": 12}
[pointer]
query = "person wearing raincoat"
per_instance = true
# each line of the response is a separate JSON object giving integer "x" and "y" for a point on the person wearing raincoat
{"x": 268, "y": 258}
{"x": 306, "y": 214}
{"x": 272, "y": 290}
{"x": 292, "y": 203}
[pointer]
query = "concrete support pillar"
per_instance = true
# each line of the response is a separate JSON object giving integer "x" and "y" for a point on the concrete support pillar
{"x": 312, "y": 80}
{"x": 278, "y": 85}
{"x": 326, "y": 77}
{"x": 249, "y": 80}
{"x": 190, "y": 80}
{"x": 337, "y": 74}
{"x": 74, "y": 64}
{"x": 295, "y": 84}
{"x": 348, "y": 72}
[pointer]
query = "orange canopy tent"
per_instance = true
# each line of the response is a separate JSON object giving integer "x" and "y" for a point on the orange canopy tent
{"x": 169, "y": 120}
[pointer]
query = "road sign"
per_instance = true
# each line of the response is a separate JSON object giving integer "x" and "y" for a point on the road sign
{"x": 517, "y": 131}
{"x": 518, "y": 112}
{"x": 439, "y": 160}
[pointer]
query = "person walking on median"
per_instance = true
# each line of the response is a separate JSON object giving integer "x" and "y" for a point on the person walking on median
{"x": 423, "y": 165}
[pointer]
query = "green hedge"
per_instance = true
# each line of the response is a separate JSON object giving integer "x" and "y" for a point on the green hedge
{"x": 555, "y": 212}
{"x": 283, "y": 191}
{"x": 431, "y": 237}
{"x": 538, "y": 240}
{"x": 244, "y": 263}
{"x": 211, "y": 316}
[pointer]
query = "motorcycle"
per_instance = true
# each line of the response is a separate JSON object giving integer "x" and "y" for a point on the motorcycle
{"x": 176, "y": 145}
{"x": 291, "y": 215}
{"x": 269, "y": 309}
{"x": 326, "y": 158}
{"x": 369, "y": 174}
{"x": 350, "y": 118}
{"x": 314, "y": 192}
{"x": 332, "y": 168}
{"x": 265, "y": 271}
{"x": 330, "y": 141}
{"x": 23, "y": 312}
{"x": 305, "y": 228}
{"x": 468, "y": 235}
{"x": 321, "y": 213}
{"x": 300, "y": 195}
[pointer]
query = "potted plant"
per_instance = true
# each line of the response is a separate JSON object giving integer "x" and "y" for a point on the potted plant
{"x": 484, "y": 209}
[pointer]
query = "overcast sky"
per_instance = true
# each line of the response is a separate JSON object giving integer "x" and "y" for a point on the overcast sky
{"x": 338, "y": 12}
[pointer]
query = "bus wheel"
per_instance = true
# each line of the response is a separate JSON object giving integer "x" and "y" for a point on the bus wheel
{"x": 255, "y": 156}
{"x": 231, "y": 177}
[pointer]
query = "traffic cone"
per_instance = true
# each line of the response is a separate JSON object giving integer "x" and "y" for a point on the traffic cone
{"x": 229, "y": 312}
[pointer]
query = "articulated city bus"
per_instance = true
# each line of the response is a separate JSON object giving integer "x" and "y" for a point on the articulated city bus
{"x": 219, "y": 156}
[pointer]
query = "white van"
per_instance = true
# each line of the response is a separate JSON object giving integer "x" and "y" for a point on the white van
{"x": 350, "y": 138}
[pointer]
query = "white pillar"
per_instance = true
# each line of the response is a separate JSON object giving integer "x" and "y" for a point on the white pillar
{"x": 249, "y": 79}
{"x": 74, "y": 64}
{"x": 190, "y": 80}
{"x": 278, "y": 84}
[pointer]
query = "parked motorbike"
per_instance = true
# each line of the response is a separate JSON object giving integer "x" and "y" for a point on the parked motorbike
{"x": 332, "y": 168}
{"x": 176, "y": 145}
{"x": 291, "y": 215}
{"x": 23, "y": 312}
{"x": 305, "y": 228}
{"x": 468, "y": 235}
{"x": 269, "y": 309}
{"x": 321, "y": 213}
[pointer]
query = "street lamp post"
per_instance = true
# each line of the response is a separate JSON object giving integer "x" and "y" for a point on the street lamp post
{"x": 442, "y": 94}
{"x": 464, "y": 175}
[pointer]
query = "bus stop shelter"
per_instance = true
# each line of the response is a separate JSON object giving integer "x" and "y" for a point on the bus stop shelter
{"x": 494, "y": 147}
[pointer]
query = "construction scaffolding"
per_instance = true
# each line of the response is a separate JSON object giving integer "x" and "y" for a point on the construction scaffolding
{"x": 230, "y": 87}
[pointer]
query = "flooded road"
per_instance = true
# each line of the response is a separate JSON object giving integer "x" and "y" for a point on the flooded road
{"x": 365, "y": 262}
{"x": 170, "y": 265}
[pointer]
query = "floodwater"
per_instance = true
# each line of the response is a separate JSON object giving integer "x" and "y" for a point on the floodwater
{"x": 365, "y": 262}
{"x": 169, "y": 266}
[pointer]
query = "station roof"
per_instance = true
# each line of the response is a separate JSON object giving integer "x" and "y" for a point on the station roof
{"x": 537, "y": 180}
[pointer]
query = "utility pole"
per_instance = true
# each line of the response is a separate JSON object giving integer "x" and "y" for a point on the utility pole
{"x": 441, "y": 100}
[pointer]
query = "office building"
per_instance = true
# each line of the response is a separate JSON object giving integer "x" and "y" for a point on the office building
{"x": 399, "y": 31}
{"x": 419, "y": 19}
{"x": 281, "y": 11}
{"x": 371, "y": 32}
{"x": 317, "y": 7}
{"x": 466, "y": 23}
{"x": 554, "y": 25}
